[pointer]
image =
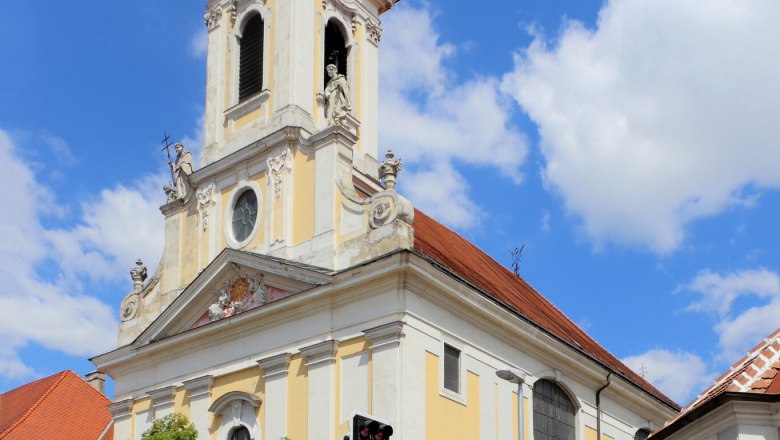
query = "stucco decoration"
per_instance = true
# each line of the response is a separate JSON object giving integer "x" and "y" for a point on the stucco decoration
{"x": 276, "y": 164}
{"x": 205, "y": 197}
{"x": 242, "y": 290}
{"x": 211, "y": 17}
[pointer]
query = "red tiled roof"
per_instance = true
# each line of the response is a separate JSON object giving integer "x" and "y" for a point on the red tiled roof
{"x": 61, "y": 406}
{"x": 457, "y": 254}
{"x": 756, "y": 372}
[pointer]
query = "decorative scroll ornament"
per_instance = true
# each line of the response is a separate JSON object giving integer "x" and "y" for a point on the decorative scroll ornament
{"x": 129, "y": 307}
{"x": 389, "y": 168}
{"x": 374, "y": 33}
{"x": 383, "y": 211}
{"x": 205, "y": 197}
{"x": 276, "y": 164}
{"x": 238, "y": 293}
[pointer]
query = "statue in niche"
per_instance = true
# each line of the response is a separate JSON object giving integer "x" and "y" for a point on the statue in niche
{"x": 338, "y": 103}
{"x": 181, "y": 169}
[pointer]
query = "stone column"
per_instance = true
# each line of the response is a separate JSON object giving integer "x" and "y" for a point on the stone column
{"x": 162, "y": 401}
{"x": 320, "y": 360}
{"x": 120, "y": 412}
{"x": 386, "y": 372}
{"x": 199, "y": 390}
{"x": 275, "y": 404}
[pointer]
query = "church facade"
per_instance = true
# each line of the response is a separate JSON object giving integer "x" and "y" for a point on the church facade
{"x": 299, "y": 294}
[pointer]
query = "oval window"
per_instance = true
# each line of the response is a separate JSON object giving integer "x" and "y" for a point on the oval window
{"x": 244, "y": 215}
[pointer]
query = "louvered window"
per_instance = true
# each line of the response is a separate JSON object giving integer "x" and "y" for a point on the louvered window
{"x": 553, "y": 412}
{"x": 451, "y": 368}
{"x": 250, "y": 75}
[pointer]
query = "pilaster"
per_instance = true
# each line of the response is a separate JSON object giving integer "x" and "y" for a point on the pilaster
{"x": 275, "y": 405}
{"x": 320, "y": 365}
{"x": 199, "y": 390}
{"x": 162, "y": 401}
{"x": 386, "y": 371}
{"x": 120, "y": 412}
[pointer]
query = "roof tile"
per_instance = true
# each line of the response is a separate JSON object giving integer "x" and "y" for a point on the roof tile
{"x": 467, "y": 261}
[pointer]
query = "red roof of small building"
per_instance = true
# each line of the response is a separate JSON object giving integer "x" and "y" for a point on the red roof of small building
{"x": 756, "y": 372}
{"x": 467, "y": 261}
{"x": 62, "y": 406}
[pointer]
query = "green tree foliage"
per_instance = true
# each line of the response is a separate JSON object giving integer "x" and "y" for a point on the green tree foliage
{"x": 172, "y": 427}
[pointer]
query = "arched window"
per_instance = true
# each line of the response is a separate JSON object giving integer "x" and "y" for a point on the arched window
{"x": 642, "y": 434}
{"x": 240, "y": 433}
{"x": 553, "y": 412}
{"x": 335, "y": 50}
{"x": 250, "y": 71}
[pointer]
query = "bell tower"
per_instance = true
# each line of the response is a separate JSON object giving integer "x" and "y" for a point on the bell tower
{"x": 267, "y": 69}
{"x": 289, "y": 167}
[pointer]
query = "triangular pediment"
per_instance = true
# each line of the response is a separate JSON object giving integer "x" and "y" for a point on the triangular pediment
{"x": 235, "y": 282}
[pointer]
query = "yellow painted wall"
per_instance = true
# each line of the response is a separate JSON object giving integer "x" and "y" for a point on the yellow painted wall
{"x": 224, "y": 200}
{"x": 446, "y": 419}
{"x": 303, "y": 199}
{"x": 249, "y": 381}
{"x": 346, "y": 348}
{"x": 188, "y": 254}
{"x": 260, "y": 179}
{"x": 297, "y": 398}
{"x": 143, "y": 404}
{"x": 590, "y": 434}
{"x": 246, "y": 119}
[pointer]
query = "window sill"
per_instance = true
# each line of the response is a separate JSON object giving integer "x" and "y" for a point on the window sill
{"x": 248, "y": 105}
{"x": 452, "y": 395}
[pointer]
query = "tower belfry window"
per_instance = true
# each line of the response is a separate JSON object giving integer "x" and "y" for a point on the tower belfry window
{"x": 335, "y": 51}
{"x": 250, "y": 72}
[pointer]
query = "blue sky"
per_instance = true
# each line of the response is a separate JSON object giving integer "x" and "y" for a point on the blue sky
{"x": 629, "y": 145}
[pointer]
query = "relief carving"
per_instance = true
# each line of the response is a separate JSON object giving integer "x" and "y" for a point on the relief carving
{"x": 276, "y": 164}
{"x": 205, "y": 197}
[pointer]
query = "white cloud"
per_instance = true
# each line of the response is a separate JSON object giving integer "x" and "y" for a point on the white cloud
{"x": 432, "y": 120}
{"x": 116, "y": 227}
{"x": 679, "y": 375}
{"x": 199, "y": 43}
{"x": 663, "y": 114}
{"x": 738, "y": 329}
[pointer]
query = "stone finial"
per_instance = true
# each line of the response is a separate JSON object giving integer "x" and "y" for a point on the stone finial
{"x": 389, "y": 168}
{"x": 138, "y": 274}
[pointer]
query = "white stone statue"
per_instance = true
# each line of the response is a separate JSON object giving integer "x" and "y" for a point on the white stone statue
{"x": 181, "y": 169}
{"x": 338, "y": 101}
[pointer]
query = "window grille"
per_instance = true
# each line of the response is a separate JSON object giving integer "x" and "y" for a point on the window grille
{"x": 553, "y": 412}
{"x": 451, "y": 368}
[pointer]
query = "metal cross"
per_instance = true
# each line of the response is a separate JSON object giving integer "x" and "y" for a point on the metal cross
{"x": 167, "y": 148}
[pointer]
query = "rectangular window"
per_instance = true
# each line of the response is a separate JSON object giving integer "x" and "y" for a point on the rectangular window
{"x": 451, "y": 368}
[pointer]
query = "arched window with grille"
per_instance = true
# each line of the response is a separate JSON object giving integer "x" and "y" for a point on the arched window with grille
{"x": 240, "y": 433}
{"x": 250, "y": 70}
{"x": 554, "y": 412}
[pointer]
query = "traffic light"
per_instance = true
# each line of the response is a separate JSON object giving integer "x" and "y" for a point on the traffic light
{"x": 364, "y": 428}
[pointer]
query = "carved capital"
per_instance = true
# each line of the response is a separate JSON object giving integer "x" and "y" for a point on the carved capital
{"x": 212, "y": 16}
{"x": 199, "y": 387}
{"x": 388, "y": 335}
{"x": 374, "y": 33}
